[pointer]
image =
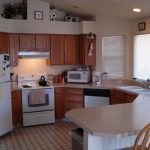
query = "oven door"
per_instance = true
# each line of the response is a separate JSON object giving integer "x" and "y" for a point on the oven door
{"x": 49, "y": 105}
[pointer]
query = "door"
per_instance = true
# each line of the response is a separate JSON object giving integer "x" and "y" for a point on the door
{"x": 5, "y": 108}
{"x": 42, "y": 43}
{"x": 27, "y": 42}
{"x": 71, "y": 49}
{"x": 57, "y": 49}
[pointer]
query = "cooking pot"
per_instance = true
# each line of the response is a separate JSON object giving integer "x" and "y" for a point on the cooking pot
{"x": 42, "y": 81}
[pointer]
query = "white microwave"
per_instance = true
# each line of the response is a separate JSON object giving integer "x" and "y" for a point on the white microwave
{"x": 79, "y": 76}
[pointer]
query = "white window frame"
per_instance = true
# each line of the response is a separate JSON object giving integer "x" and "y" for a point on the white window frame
{"x": 122, "y": 64}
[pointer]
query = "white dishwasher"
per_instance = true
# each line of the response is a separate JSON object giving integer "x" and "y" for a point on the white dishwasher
{"x": 96, "y": 97}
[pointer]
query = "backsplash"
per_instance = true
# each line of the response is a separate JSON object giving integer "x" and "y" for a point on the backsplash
{"x": 39, "y": 66}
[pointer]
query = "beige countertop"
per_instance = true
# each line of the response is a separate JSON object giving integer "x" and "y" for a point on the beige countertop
{"x": 115, "y": 120}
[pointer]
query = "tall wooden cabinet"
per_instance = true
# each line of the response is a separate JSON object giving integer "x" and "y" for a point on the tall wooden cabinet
{"x": 4, "y": 43}
{"x": 87, "y": 58}
{"x": 13, "y": 49}
{"x": 57, "y": 49}
{"x": 16, "y": 107}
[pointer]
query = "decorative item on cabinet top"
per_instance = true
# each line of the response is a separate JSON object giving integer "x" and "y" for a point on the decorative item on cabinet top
{"x": 91, "y": 37}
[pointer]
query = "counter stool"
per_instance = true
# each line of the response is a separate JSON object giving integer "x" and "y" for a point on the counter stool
{"x": 144, "y": 135}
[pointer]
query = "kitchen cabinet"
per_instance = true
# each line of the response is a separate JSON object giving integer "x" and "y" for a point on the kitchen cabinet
{"x": 71, "y": 49}
{"x": 64, "y": 49}
{"x": 4, "y": 43}
{"x": 119, "y": 97}
{"x": 72, "y": 98}
{"x": 87, "y": 58}
{"x": 42, "y": 42}
{"x": 13, "y": 49}
{"x": 16, "y": 107}
{"x": 34, "y": 42}
{"x": 58, "y": 103}
{"x": 27, "y": 42}
{"x": 57, "y": 50}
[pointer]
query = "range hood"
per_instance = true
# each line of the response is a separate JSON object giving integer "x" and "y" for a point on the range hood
{"x": 33, "y": 54}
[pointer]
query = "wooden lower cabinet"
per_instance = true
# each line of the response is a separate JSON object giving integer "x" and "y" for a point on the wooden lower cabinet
{"x": 16, "y": 107}
{"x": 73, "y": 98}
{"x": 67, "y": 99}
{"x": 119, "y": 97}
{"x": 58, "y": 103}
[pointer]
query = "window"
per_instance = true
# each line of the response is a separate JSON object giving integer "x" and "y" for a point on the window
{"x": 142, "y": 56}
{"x": 113, "y": 56}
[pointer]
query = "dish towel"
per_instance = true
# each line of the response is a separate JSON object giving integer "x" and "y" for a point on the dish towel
{"x": 37, "y": 97}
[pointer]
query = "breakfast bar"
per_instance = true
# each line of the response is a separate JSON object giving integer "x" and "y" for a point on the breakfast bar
{"x": 113, "y": 126}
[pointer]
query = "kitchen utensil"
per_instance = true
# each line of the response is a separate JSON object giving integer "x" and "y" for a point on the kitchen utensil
{"x": 42, "y": 81}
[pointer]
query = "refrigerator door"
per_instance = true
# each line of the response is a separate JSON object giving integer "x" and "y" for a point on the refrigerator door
{"x": 4, "y": 68}
{"x": 5, "y": 109}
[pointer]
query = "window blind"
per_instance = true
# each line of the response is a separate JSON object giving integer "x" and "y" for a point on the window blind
{"x": 113, "y": 56}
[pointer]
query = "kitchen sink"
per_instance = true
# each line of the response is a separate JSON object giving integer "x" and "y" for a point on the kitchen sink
{"x": 135, "y": 89}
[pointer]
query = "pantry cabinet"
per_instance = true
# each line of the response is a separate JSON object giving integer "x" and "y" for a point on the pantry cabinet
{"x": 58, "y": 103}
{"x": 57, "y": 50}
{"x": 4, "y": 43}
{"x": 87, "y": 56}
{"x": 16, "y": 107}
{"x": 34, "y": 42}
{"x": 119, "y": 97}
{"x": 13, "y": 49}
{"x": 64, "y": 49}
{"x": 73, "y": 98}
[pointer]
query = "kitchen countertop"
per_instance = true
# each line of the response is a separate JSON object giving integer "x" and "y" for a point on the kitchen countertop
{"x": 113, "y": 120}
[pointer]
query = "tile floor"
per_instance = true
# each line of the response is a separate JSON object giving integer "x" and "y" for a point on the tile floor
{"x": 46, "y": 137}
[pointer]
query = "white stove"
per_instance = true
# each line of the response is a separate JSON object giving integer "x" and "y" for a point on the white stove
{"x": 37, "y": 101}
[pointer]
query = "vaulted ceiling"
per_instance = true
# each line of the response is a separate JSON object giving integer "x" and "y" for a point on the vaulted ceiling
{"x": 115, "y": 8}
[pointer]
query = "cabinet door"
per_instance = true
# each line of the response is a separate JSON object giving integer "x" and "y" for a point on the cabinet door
{"x": 57, "y": 49}
{"x": 117, "y": 97}
{"x": 85, "y": 57}
{"x": 130, "y": 98}
{"x": 13, "y": 49}
{"x": 4, "y": 43}
{"x": 73, "y": 98}
{"x": 71, "y": 49}
{"x": 27, "y": 42}
{"x": 16, "y": 107}
{"x": 58, "y": 103}
{"x": 42, "y": 43}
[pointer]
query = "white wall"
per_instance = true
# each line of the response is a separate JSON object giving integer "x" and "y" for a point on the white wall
{"x": 111, "y": 27}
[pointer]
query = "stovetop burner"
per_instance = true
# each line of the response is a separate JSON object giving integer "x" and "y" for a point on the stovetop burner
{"x": 26, "y": 86}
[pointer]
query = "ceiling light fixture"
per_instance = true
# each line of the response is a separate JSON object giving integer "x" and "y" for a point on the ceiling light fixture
{"x": 136, "y": 10}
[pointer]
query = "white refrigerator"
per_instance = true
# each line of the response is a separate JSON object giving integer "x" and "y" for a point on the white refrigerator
{"x": 5, "y": 96}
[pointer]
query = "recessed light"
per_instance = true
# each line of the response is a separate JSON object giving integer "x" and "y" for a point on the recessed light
{"x": 136, "y": 10}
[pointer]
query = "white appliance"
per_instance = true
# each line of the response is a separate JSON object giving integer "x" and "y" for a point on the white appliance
{"x": 96, "y": 97}
{"x": 79, "y": 76}
{"x": 36, "y": 114}
{"x": 5, "y": 96}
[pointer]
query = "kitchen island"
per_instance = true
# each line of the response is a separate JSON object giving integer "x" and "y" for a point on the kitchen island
{"x": 113, "y": 126}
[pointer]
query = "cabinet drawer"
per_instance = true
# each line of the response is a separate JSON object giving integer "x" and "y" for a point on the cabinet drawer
{"x": 74, "y": 98}
{"x": 58, "y": 90}
{"x": 73, "y": 91}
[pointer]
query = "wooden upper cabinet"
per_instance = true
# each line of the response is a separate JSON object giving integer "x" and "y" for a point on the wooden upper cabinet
{"x": 71, "y": 49}
{"x": 57, "y": 49}
{"x": 42, "y": 43}
{"x": 27, "y": 42}
{"x": 85, "y": 57}
{"x": 13, "y": 49}
{"x": 4, "y": 43}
